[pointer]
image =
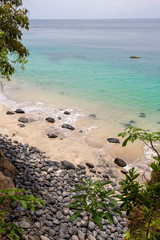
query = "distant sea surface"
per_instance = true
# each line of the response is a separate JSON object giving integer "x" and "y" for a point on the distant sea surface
{"x": 88, "y": 62}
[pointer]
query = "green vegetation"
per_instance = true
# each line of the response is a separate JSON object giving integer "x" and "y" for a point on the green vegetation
{"x": 94, "y": 199}
{"x": 10, "y": 230}
{"x": 13, "y": 18}
{"x": 142, "y": 202}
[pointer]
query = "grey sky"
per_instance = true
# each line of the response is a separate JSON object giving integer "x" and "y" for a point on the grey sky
{"x": 96, "y": 9}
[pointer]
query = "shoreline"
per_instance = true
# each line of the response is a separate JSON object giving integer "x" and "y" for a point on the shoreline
{"x": 79, "y": 146}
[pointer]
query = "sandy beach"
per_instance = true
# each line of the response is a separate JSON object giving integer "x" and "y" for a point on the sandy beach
{"x": 78, "y": 146}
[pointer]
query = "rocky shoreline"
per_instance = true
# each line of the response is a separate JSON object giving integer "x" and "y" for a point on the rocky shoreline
{"x": 53, "y": 181}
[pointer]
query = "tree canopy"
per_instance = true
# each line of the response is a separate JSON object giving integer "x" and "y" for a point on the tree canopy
{"x": 13, "y": 18}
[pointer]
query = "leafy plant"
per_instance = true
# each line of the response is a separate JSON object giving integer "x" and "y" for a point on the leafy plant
{"x": 133, "y": 133}
{"x": 142, "y": 203}
{"x": 10, "y": 230}
{"x": 93, "y": 198}
{"x": 13, "y": 18}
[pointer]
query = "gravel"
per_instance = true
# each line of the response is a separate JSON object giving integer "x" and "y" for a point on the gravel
{"x": 53, "y": 182}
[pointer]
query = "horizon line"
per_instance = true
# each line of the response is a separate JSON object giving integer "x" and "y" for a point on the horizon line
{"x": 94, "y": 18}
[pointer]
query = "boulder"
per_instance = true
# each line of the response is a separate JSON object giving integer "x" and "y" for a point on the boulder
{"x": 113, "y": 140}
{"x": 127, "y": 125}
{"x": 5, "y": 182}
{"x": 7, "y": 168}
{"x": 23, "y": 120}
{"x": 124, "y": 172}
{"x": 21, "y": 125}
{"x": 132, "y": 121}
{"x": 105, "y": 176}
{"x": 68, "y": 165}
{"x": 67, "y": 126}
{"x": 9, "y": 113}
{"x": 67, "y": 113}
{"x": 92, "y": 115}
{"x": 51, "y": 120}
{"x": 90, "y": 165}
{"x": 142, "y": 115}
{"x": 52, "y": 135}
{"x": 134, "y": 56}
{"x": 120, "y": 162}
{"x": 19, "y": 111}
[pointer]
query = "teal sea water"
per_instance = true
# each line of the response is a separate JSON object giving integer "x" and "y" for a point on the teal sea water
{"x": 88, "y": 61}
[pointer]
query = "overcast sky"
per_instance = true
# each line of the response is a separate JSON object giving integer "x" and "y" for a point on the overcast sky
{"x": 92, "y": 9}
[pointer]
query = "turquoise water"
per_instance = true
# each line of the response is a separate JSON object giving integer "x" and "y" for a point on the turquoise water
{"x": 89, "y": 60}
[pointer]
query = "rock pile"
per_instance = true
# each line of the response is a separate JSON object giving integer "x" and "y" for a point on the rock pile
{"x": 52, "y": 181}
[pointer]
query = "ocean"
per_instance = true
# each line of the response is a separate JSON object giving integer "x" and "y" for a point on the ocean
{"x": 85, "y": 65}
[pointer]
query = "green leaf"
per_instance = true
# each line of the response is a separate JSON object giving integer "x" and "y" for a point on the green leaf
{"x": 2, "y": 200}
{"x": 127, "y": 235}
{"x": 75, "y": 215}
{"x": 12, "y": 233}
{"x": 117, "y": 211}
{"x": 81, "y": 196}
{"x": 125, "y": 142}
{"x": 109, "y": 192}
{"x": 113, "y": 201}
{"x": 97, "y": 218}
{"x": 109, "y": 217}
{"x": 24, "y": 203}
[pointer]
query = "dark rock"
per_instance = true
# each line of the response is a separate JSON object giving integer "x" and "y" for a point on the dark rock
{"x": 92, "y": 115}
{"x": 51, "y": 120}
{"x": 83, "y": 172}
{"x": 142, "y": 115}
{"x": 90, "y": 165}
{"x": 68, "y": 126}
{"x": 120, "y": 162}
{"x": 19, "y": 111}
{"x": 81, "y": 166}
{"x": 132, "y": 121}
{"x": 127, "y": 125}
{"x": 20, "y": 209}
{"x": 71, "y": 173}
{"x": 92, "y": 171}
{"x": 80, "y": 131}
{"x": 51, "y": 201}
{"x": 124, "y": 172}
{"x": 113, "y": 140}
{"x": 59, "y": 118}
{"x": 52, "y": 135}
{"x": 105, "y": 176}
{"x": 23, "y": 120}
{"x": 67, "y": 113}
{"x": 11, "y": 218}
{"x": 21, "y": 125}
{"x": 135, "y": 57}
{"x": 68, "y": 165}
{"x": 158, "y": 122}
{"x": 9, "y": 113}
